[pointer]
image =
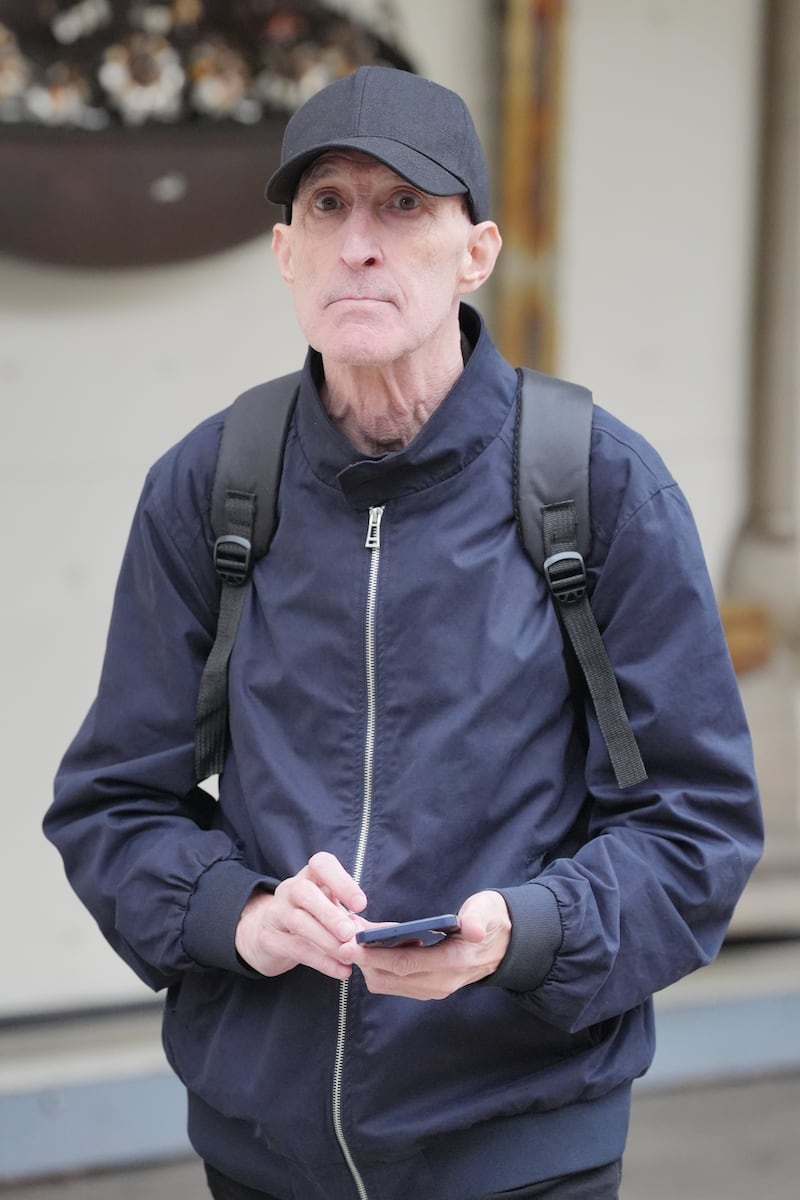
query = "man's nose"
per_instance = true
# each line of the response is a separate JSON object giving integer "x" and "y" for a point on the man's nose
{"x": 361, "y": 245}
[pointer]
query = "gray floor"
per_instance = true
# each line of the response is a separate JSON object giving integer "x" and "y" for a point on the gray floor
{"x": 705, "y": 1143}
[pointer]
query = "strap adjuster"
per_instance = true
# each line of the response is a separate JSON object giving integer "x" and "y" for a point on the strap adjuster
{"x": 232, "y": 558}
{"x": 566, "y": 576}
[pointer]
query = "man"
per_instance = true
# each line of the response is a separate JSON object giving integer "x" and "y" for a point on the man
{"x": 404, "y": 739}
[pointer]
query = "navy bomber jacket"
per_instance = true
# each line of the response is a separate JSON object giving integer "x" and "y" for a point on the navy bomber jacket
{"x": 410, "y": 700}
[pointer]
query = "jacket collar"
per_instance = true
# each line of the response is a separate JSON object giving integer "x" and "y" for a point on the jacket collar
{"x": 464, "y": 424}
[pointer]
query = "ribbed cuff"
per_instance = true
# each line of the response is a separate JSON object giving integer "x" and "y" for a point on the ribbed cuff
{"x": 536, "y": 937}
{"x": 209, "y": 928}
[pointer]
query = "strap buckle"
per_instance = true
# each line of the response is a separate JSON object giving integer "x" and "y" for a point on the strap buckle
{"x": 232, "y": 558}
{"x": 566, "y": 576}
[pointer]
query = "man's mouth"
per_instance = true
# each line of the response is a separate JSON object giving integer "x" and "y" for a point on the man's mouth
{"x": 360, "y": 299}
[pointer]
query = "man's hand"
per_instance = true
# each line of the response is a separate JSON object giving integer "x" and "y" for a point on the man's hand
{"x": 434, "y": 972}
{"x": 304, "y": 921}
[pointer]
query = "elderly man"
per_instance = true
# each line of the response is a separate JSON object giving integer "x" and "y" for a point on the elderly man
{"x": 405, "y": 737}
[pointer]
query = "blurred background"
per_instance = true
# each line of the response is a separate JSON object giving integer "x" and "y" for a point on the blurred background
{"x": 646, "y": 159}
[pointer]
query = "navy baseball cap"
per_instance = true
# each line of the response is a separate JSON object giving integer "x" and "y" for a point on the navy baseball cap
{"x": 421, "y": 130}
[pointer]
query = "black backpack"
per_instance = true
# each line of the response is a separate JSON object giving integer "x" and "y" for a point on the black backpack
{"x": 551, "y": 486}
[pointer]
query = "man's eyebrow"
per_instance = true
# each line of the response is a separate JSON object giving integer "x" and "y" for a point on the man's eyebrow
{"x": 318, "y": 171}
{"x": 327, "y": 165}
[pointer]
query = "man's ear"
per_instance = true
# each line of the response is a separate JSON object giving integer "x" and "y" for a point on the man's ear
{"x": 281, "y": 248}
{"x": 483, "y": 248}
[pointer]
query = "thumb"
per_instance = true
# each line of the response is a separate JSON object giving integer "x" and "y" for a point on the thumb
{"x": 483, "y": 915}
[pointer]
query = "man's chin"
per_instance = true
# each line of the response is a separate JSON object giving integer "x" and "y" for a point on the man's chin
{"x": 363, "y": 350}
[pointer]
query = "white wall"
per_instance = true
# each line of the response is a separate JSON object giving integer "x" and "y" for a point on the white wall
{"x": 100, "y": 372}
{"x": 657, "y": 230}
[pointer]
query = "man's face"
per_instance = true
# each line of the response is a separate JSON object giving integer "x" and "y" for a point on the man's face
{"x": 376, "y": 266}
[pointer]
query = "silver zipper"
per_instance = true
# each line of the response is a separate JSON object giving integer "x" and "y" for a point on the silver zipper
{"x": 373, "y": 544}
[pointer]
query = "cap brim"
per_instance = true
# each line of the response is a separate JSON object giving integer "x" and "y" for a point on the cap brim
{"x": 420, "y": 171}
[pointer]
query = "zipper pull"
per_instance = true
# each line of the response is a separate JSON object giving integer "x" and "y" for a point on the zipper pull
{"x": 373, "y": 541}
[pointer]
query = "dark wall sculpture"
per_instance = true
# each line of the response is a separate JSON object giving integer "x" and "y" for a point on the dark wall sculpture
{"x": 139, "y": 133}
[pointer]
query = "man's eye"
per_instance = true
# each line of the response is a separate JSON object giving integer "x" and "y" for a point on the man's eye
{"x": 326, "y": 201}
{"x": 407, "y": 201}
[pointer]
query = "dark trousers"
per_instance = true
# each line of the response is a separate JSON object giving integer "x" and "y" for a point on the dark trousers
{"x": 601, "y": 1183}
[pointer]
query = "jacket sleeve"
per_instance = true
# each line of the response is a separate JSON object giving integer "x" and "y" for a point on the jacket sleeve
{"x": 649, "y": 896}
{"x": 142, "y": 846}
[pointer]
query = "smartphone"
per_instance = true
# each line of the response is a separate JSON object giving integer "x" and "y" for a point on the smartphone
{"x": 426, "y": 932}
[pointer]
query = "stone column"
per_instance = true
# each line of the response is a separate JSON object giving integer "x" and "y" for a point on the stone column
{"x": 766, "y": 564}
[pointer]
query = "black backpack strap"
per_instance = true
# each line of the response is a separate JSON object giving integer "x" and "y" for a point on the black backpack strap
{"x": 243, "y": 520}
{"x": 554, "y": 429}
